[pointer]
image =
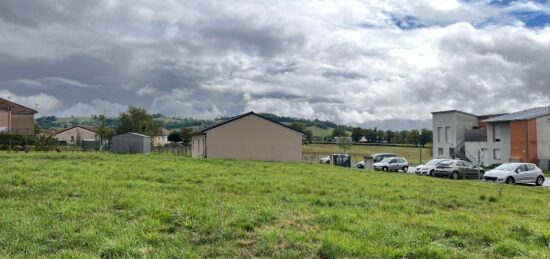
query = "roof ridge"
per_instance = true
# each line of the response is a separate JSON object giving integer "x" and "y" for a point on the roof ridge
{"x": 234, "y": 118}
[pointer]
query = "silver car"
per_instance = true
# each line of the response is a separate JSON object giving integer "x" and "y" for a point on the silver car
{"x": 516, "y": 173}
{"x": 392, "y": 164}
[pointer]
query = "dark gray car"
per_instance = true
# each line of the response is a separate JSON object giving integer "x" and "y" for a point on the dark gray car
{"x": 458, "y": 169}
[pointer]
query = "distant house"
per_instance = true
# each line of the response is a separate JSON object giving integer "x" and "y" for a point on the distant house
{"x": 162, "y": 140}
{"x": 16, "y": 118}
{"x": 522, "y": 136}
{"x": 249, "y": 136}
{"x": 76, "y": 135}
{"x": 131, "y": 143}
{"x": 363, "y": 140}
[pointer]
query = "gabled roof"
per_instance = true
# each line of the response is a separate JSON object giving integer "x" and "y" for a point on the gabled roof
{"x": 528, "y": 114}
{"x": 203, "y": 131}
{"x": 455, "y": 111}
{"x": 18, "y": 108}
{"x": 90, "y": 128}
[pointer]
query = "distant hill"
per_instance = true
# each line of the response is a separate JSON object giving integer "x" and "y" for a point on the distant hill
{"x": 318, "y": 127}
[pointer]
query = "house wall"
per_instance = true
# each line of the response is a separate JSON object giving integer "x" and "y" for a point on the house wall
{"x": 524, "y": 141}
{"x": 198, "y": 146}
{"x": 3, "y": 119}
{"x": 77, "y": 134}
{"x": 458, "y": 123}
{"x": 543, "y": 141}
{"x": 254, "y": 138}
{"x": 474, "y": 149}
{"x": 20, "y": 122}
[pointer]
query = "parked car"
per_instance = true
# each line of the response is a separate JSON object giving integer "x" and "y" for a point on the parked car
{"x": 324, "y": 160}
{"x": 378, "y": 157}
{"x": 392, "y": 164}
{"x": 456, "y": 169}
{"x": 428, "y": 168}
{"x": 516, "y": 173}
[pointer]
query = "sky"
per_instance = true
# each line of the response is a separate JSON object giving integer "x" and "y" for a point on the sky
{"x": 386, "y": 63}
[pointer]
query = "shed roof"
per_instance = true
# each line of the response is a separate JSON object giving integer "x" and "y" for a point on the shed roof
{"x": 134, "y": 134}
{"x": 6, "y": 105}
{"x": 528, "y": 114}
{"x": 203, "y": 131}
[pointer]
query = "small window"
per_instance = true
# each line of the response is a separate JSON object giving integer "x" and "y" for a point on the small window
{"x": 496, "y": 133}
{"x": 521, "y": 168}
{"x": 440, "y": 151}
{"x": 531, "y": 168}
{"x": 439, "y": 134}
{"x": 401, "y": 160}
{"x": 460, "y": 164}
{"x": 393, "y": 161}
{"x": 447, "y": 135}
{"x": 72, "y": 138}
{"x": 496, "y": 154}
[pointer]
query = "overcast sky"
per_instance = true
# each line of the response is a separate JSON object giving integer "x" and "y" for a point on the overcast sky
{"x": 353, "y": 62}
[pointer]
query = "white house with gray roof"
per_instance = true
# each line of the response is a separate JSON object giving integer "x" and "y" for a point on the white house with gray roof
{"x": 522, "y": 136}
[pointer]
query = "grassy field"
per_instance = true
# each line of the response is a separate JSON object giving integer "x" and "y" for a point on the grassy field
{"x": 105, "y": 205}
{"x": 359, "y": 151}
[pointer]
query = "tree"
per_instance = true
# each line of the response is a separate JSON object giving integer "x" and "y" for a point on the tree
{"x": 426, "y": 136}
{"x": 185, "y": 134}
{"x": 309, "y": 136}
{"x": 102, "y": 131}
{"x": 139, "y": 121}
{"x": 356, "y": 134}
{"x": 339, "y": 132}
{"x": 344, "y": 143}
{"x": 37, "y": 129}
{"x": 174, "y": 137}
{"x": 413, "y": 137}
{"x": 299, "y": 126}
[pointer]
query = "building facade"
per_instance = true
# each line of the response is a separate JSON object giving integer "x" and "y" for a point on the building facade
{"x": 522, "y": 136}
{"x": 16, "y": 118}
{"x": 75, "y": 135}
{"x": 248, "y": 137}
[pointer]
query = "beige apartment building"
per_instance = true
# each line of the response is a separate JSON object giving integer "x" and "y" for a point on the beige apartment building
{"x": 249, "y": 136}
{"x": 16, "y": 117}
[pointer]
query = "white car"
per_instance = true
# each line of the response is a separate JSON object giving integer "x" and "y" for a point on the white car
{"x": 324, "y": 160}
{"x": 511, "y": 173}
{"x": 428, "y": 168}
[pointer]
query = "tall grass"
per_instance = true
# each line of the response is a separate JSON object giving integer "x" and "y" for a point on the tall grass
{"x": 105, "y": 205}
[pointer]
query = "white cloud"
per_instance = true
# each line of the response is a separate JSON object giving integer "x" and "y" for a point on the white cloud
{"x": 348, "y": 61}
{"x": 45, "y": 104}
{"x": 148, "y": 89}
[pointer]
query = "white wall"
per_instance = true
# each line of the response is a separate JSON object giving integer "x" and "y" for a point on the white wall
{"x": 543, "y": 141}
{"x": 458, "y": 123}
{"x": 473, "y": 149}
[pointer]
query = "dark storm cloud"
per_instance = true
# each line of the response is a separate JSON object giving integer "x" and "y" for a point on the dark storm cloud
{"x": 309, "y": 59}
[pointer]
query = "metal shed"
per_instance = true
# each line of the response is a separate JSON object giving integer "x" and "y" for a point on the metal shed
{"x": 131, "y": 143}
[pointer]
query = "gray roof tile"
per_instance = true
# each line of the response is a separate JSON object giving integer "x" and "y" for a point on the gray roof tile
{"x": 522, "y": 115}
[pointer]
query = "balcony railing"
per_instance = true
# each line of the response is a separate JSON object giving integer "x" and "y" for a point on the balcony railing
{"x": 475, "y": 135}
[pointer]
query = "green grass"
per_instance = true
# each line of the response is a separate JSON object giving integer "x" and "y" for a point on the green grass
{"x": 105, "y": 205}
{"x": 359, "y": 151}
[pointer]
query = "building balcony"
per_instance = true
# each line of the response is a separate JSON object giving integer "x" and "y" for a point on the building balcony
{"x": 475, "y": 135}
